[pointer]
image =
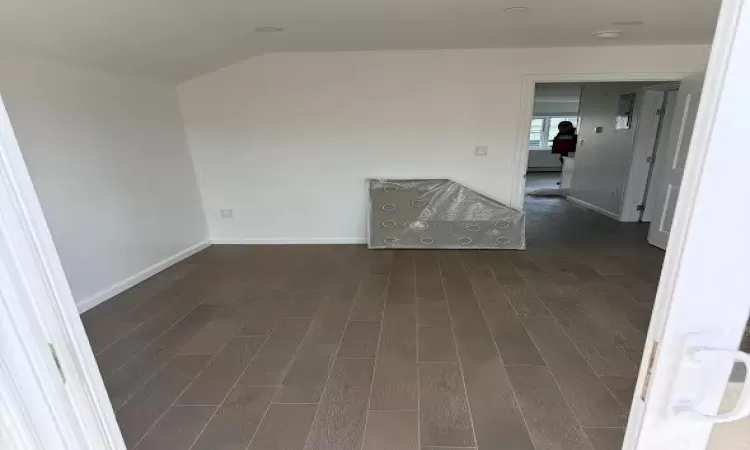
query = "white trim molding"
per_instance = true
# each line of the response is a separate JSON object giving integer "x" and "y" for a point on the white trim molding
{"x": 105, "y": 294}
{"x": 588, "y": 205}
{"x": 288, "y": 241}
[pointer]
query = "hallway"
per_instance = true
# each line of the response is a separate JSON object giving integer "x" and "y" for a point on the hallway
{"x": 338, "y": 347}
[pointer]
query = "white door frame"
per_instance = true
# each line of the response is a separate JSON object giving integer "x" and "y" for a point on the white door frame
{"x": 41, "y": 329}
{"x": 692, "y": 275}
{"x": 526, "y": 111}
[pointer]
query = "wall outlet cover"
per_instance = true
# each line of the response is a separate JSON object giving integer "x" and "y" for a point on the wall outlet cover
{"x": 226, "y": 213}
{"x": 481, "y": 150}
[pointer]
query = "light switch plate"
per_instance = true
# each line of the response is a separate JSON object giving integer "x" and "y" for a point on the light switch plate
{"x": 226, "y": 213}
{"x": 481, "y": 150}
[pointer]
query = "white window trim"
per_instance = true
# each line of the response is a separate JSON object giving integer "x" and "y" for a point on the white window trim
{"x": 547, "y": 129}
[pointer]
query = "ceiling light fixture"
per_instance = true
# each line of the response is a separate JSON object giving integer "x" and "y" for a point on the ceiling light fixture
{"x": 268, "y": 29}
{"x": 628, "y": 23}
{"x": 607, "y": 34}
{"x": 516, "y": 9}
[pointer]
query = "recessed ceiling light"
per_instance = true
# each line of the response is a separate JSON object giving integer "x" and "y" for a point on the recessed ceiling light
{"x": 629, "y": 23}
{"x": 607, "y": 34}
{"x": 516, "y": 9}
{"x": 268, "y": 29}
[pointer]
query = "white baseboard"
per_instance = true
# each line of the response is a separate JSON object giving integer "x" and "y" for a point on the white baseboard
{"x": 120, "y": 286}
{"x": 251, "y": 241}
{"x": 588, "y": 205}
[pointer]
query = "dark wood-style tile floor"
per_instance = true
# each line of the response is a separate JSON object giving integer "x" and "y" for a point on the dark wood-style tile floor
{"x": 338, "y": 347}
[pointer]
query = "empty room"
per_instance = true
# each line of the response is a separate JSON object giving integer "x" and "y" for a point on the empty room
{"x": 333, "y": 225}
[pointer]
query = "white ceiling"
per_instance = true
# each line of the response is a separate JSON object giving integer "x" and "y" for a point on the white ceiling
{"x": 180, "y": 39}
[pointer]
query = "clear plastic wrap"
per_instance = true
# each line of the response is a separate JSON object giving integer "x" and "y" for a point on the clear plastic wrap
{"x": 439, "y": 213}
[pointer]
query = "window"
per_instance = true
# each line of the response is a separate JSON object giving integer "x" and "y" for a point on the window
{"x": 544, "y": 128}
{"x": 537, "y": 132}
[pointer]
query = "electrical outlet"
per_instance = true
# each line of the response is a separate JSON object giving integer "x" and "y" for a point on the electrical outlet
{"x": 226, "y": 213}
{"x": 481, "y": 150}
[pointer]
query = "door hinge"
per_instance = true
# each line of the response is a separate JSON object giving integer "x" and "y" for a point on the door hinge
{"x": 651, "y": 362}
{"x": 57, "y": 361}
{"x": 650, "y": 159}
{"x": 660, "y": 112}
{"x": 640, "y": 207}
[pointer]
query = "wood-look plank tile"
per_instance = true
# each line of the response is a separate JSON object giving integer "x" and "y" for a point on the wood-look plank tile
{"x": 636, "y": 313}
{"x": 606, "y": 438}
{"x": 524, "y": 299}
{"x": 226, "y": 290}
{"x": 212, "y": 337}
{"x": 401, "y": 286}
{"x": 268, "y": 309}
{"x": 448, "y": 448}
{"x": 436, "y": 344}
{"x": 551, "y": 423}
{"x": 503, "y": 270}
{"x": 443, "y": 411}
{"x": 124, "y": 383}
{"x": 340, "y": 419}
{"x": 593, "y": 339}
{"x": 272, "y": 361}
{"x": 428, "y": 284}
{"x": 391, "y": 430}
{"x": 379, "y": 261}
{"x": 284, "y": 427}
{"x": 495, "y": 412}
{"x": 173, "y": 313}
{"x": 510, "y": 336}
{"x": 395, "y": 380}
{"x": 360, "y": 340}
{"x": 530, "y": 271}
{"x": 592, "y": 404}
{"x": 622, "y": 388}
{"x": 616, "y": 322}
{"x": 142, "y": 411}
{"x": 371, "y": 298}
{"x": 177, "y": 428}
{"x": 583, "y": 272}
{"x": 119, "y": 353}
{"x": 433, "y": 313}
{"x": 633, "y": 353}
{"x": 216, "y": 380}
{"x": 305, "y": 304}
{"x": 236, "y": 421}
{"x": 306, "y": 378}
{"x": 104, "y": 332}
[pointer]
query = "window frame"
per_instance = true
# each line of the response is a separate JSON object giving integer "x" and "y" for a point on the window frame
{"x": 547, "y": 129}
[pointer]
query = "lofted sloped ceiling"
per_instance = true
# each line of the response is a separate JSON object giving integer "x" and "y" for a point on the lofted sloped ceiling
{"x": 179, "y": 39}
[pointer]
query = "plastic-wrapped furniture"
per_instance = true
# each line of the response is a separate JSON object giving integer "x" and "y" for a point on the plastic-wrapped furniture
{"x": 439, "y": 213}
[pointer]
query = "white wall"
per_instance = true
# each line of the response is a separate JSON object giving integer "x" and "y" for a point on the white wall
{"x": 109, "y": 161}
{"x": 287, "y": 140}
{"x": 603, "y": 159}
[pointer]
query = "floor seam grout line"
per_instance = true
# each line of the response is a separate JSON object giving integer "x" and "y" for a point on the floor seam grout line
{"x": 278, "y": 387}
{"x": 416, "y": 339}
{"x": 242, "y": 372}
{"x": 335, "y": 357}
{"x": 494, "y": 342}
{"x": 384, "y": 301}
{"x": 455, "y": 342}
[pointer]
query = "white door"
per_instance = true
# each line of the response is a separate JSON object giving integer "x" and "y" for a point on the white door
{"x": 702, "y": 302}
{"x": 669, "y": 176}
{"x": 51, "y": 392}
